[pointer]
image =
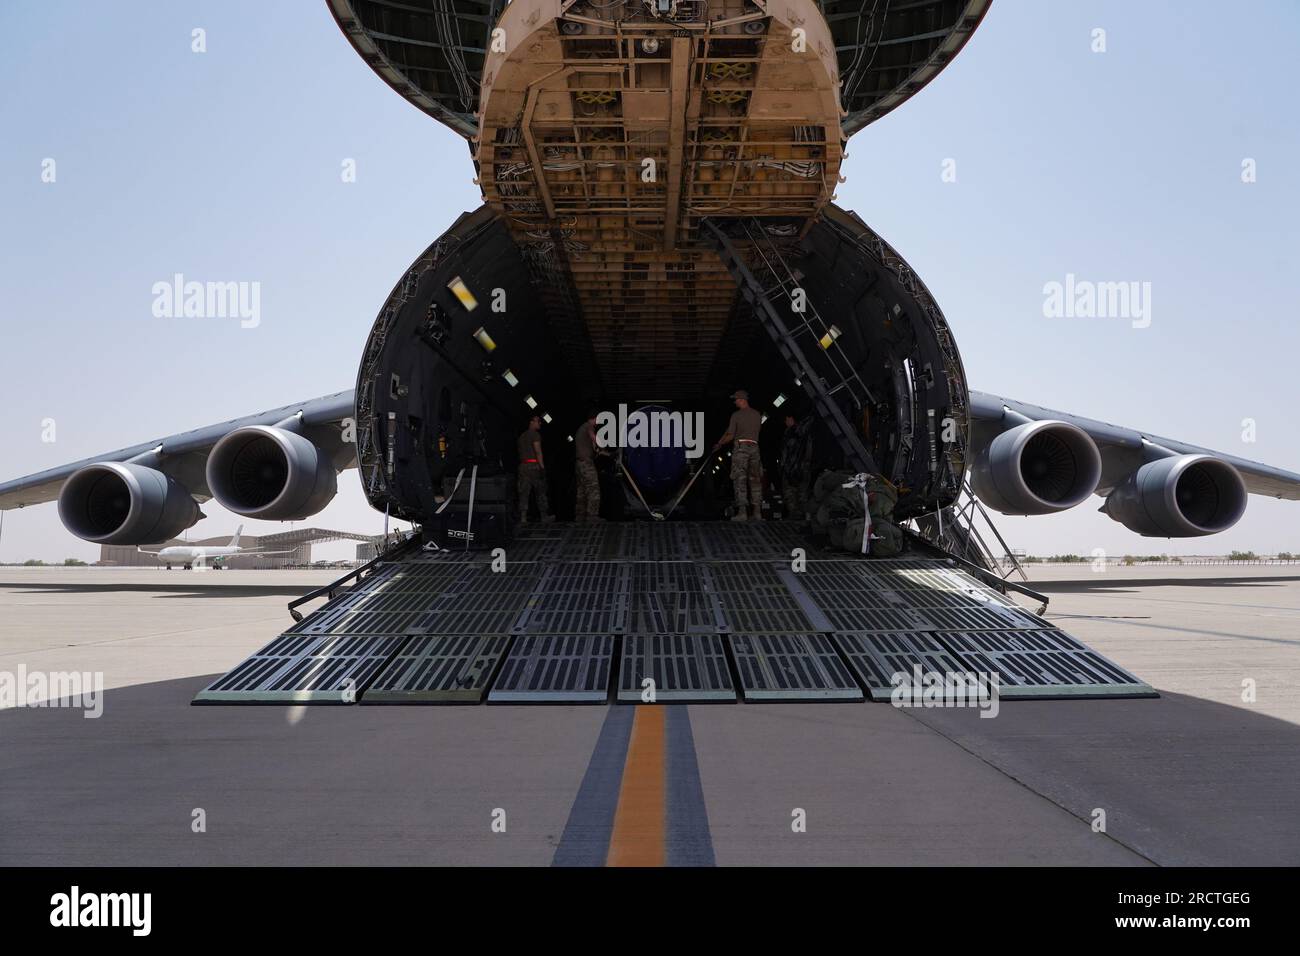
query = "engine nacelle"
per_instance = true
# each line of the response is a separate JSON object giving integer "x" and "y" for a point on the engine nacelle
{"x": 1037, "y": 468}
{"x": 122, "y": 503}
{"x": 261, "y": 471}
{"x": 1183, "y": 496}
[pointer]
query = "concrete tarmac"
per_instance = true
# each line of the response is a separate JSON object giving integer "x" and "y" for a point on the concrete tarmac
{"x": 1203, "y": 775}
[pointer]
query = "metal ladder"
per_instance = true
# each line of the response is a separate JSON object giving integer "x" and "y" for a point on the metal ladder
{"x": 956, "y": 531}
{"x": 783, "y": 281}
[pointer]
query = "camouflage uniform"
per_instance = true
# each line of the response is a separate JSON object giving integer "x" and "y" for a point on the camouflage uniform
{"x": 746, "y": 460}
{"x": 587, "y": 506}
{"x": 747, "y": 474}
{"x": 795, "y": 471}
{"x": 532, "y": 479}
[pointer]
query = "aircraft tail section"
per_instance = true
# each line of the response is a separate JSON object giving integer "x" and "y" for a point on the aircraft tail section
{"x": 234, "y": 542}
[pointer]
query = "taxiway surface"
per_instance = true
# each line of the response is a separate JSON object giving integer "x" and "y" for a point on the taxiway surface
{"x": 1199, "y": 776}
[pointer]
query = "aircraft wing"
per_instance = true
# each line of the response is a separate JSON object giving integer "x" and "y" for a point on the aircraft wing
{"x": 184, "y": 455}
{"x": 1124, "y": 450}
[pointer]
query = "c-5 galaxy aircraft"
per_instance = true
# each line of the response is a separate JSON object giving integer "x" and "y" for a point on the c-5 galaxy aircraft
{"x": 658, "y": 225}
{"x": 658, "y": 178}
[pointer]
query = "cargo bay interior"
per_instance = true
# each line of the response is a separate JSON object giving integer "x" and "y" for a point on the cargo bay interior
{"x": 450, "y": 379}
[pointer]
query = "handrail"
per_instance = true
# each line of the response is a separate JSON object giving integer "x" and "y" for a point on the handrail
{"x": 328, "y": 590}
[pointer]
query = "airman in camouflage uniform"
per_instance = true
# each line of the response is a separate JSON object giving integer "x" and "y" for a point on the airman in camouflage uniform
{"x": 587, "y": 506}
{"x": 532, "y": 472}
{"x": 795, "y": 468}
{"x": 746, "y": 461}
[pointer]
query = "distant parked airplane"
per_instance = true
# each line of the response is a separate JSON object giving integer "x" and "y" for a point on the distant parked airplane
{"x": 189, "y": 555}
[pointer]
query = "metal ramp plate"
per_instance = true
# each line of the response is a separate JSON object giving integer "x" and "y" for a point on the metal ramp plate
{"x": 652, "y": 541}
{"x": 577, "y": 597}
{"x": 302, "y": 669}
{"x": 1039, "y": 664}
{"x": 482, "y": 601}
{"x": 791, "y": 667}
{"x": 466, "y": 622}
{"x": 980, "y": 618}
{"x": 1043, "y": 664}
{"x": 447, "y": 669}
{"x": 676, "y": 612}
{"x": 432, "y": 593}
{"x": 722, "y": 541}
{"x": 897, "y": 595}
{"x": 424, "y": 574}
{"x": 684, "y": 667}
{"x": 755, "y": 599}
{"x": 673, "y": 597}
{"x": 556, "y": 542}
{"x": 706, "y": 610}
{"x": 877, "y": 657}
{"x": 552, "y": 668}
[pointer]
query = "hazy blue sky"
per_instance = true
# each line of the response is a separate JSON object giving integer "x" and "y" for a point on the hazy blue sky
{"x": 225, "y": 166}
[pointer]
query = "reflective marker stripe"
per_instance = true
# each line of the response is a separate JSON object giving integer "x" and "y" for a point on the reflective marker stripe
{"x": 610, "y": 822}
{"x": 638, "y": 837}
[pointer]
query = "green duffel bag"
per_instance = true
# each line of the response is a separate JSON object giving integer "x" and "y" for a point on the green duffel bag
{"x": 849, "y": 536}
{"x": 844, "y": 503}
{"x": 821, "y": 519}
{"x": 882, "y": 497}
{"x": 886, "y": 538}
{"x": 835, "y": 505}
{"x": 846, "y": 536}
{"x": 828, "y": 483}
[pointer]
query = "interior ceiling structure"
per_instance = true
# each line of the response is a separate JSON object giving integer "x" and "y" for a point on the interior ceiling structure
{"x": 432, "y": 51}
{"x": 603, "y": 133}
{"x": 603, "y": 150}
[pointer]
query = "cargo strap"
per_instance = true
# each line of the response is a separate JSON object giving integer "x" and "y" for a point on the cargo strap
{"x": 699, "y": 471}
{"x": 632, "y": 481}
{"x": 859, "y": 481}
{"x": 446, "y": 501}
{"x": 469, "y": 518}
{"x": 433, "y": 545}
{"x": 473, "y": 485}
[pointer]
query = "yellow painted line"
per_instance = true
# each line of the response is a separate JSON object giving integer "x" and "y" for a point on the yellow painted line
{"x": 639, "y": 821}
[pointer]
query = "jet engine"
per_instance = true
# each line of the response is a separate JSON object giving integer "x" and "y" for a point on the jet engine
{"x": 269, "y": 472}
{"x": 125, "y": 503}
{"x": 1037, "y": 468}
{"x": 1181, "y": 496}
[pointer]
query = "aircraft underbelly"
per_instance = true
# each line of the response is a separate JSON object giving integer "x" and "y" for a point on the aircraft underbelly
{"x": 603, "y": 151}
